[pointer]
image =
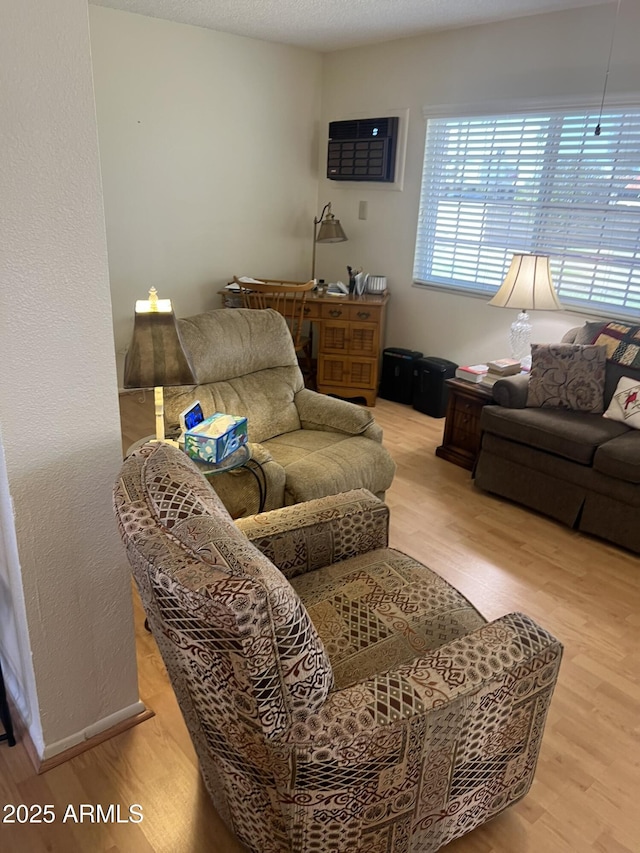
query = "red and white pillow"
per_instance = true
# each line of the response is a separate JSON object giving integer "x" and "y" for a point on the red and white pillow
{"x": 625, "y": 403}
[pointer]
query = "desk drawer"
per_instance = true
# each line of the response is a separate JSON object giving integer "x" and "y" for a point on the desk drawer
{"x": 364, "y": 313}
{"x": 312, "y": 310}
{"x": 331, "y": 311}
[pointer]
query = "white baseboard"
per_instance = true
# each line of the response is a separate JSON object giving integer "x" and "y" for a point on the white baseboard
{"x": 94, "y": 730}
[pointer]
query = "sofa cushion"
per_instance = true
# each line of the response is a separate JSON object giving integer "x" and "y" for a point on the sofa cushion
{"x": 572, "y": 435}
{"x": 319, "y": 463}
{"x": 382, "y": 609}
{"x": 568, "y": 376}
{"x": 620, "y": 457}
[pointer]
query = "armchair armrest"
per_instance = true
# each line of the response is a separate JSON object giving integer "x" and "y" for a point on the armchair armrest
{"x": 260, "y": 453}
{"x": 317, "y": 411}
{"x": 511, "y": 392}
{"x": 316, "y": 533}
{"x": 457, "y": 731}
{"x": 496, "y": 657}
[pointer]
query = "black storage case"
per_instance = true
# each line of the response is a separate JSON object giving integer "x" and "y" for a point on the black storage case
{"x": 430, "y": 392}
{"x": 396, "y": 378}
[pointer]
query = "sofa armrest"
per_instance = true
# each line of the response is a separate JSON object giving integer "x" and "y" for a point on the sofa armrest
{"x": 317, "y": 411}
{"x": 511, "y": 392}
{"x": 316, "y": 533}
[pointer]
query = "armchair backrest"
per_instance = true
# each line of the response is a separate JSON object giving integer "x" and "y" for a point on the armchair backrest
{"x": 245, "y": 364}
{"x": 241, "y": 651}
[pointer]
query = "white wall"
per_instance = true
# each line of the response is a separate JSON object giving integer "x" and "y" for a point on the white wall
{"x": 561, "y": 54}
{"x": 208, "y": 148}
{"x": 66, "y": 632}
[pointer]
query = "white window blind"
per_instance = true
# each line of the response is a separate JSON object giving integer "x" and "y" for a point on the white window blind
{"x": 536, "y": 182}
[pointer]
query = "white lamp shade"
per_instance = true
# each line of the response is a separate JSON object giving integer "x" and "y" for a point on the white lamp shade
{"x": 528, "y": 285}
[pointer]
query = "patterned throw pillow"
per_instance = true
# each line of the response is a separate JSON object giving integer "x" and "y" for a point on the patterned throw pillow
{"x": 625, "y": 403}
{"x": 568, "y": 376}
{"x": 622, "y": 342}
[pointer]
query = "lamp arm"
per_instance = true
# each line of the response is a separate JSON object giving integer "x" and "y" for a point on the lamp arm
{"x": 319, "y": 219}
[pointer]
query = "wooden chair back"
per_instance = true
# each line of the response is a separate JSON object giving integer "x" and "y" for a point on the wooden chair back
{"x": 286, "y": 297}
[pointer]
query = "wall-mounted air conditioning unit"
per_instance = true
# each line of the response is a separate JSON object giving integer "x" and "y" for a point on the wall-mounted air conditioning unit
{"x": 362, "y": 149}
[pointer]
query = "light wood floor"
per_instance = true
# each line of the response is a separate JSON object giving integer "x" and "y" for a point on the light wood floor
{"x": 503, "y": 558}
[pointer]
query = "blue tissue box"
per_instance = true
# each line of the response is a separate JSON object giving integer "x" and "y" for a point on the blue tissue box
{"x": 204, "y": 443}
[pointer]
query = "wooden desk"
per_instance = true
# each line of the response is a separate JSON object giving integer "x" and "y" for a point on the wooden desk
{"x": 351, "y": 330}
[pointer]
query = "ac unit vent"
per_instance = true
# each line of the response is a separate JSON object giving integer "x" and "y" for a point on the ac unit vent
{"x": 362, "y": 150}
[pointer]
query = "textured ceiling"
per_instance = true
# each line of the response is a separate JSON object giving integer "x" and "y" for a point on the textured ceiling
{"x": 335, "y": 24}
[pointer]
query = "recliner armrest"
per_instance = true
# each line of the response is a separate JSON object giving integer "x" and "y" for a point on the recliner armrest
{"x": 511, "y": 392}
{"x": 259, "y": 452}
{"x": 316, "y": 533}
{"x": 317, "y": 411}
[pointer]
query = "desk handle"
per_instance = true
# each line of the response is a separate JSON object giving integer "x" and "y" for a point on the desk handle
{"x": 364, "y": 315}
{"x": 306, "y": 311}
{"x": 335, "y": 313}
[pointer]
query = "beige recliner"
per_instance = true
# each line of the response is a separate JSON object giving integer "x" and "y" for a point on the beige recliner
{"x": 308, "y": 445}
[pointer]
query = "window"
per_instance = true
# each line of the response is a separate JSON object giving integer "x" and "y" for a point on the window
{"x": 539, "y": 182}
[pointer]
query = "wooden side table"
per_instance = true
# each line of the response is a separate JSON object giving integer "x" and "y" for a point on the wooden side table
{"x": 461, "y": 439}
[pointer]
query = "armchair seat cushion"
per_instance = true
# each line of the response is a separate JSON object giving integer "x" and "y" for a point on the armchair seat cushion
{"x": 318, "y": 463}
{"x": 382, "y": 609}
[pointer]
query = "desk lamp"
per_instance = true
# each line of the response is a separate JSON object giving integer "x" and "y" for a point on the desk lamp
{"x": 156, "y": 356}
{"x": 330, "y": 232}
{"x": 527, "y": 285}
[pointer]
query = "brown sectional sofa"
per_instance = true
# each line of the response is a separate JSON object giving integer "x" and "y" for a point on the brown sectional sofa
{"x": 579, "y": 468}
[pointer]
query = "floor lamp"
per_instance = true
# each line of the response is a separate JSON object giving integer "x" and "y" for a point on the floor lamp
{"x": 156, "y": 356}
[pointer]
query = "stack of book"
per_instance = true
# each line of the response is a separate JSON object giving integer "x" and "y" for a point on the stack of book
{"x": 472, "y": 372}
{"x": 500, "y": 368}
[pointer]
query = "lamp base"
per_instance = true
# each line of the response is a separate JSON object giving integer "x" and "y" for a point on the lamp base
{"x": 520, "y": 339}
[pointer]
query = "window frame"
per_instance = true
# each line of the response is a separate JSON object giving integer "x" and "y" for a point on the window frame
{"x": 507, "y": 107}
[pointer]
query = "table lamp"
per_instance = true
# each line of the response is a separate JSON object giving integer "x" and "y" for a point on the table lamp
{"x": 156, "y": 355}
{"x": 528, "y": 285}
{"x": 330, "y": 232}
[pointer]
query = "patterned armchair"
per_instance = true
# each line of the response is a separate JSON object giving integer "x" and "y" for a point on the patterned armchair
{"x": 340, "y": 696}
